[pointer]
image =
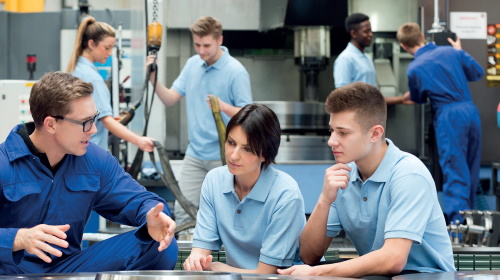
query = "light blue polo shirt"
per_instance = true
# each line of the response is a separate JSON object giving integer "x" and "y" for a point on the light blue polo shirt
{"x": 227, "y": 79}
{"x": 265, "y": 226}
{"x": 352, "y": 65}
{"x": 398, "y": 201}
{"x": 87, "y": 72}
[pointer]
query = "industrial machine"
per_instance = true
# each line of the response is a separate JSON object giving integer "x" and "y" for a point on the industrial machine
{"x": 14, "y": 101}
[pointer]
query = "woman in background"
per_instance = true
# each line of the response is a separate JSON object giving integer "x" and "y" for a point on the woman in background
{"x": 254, "y": 210}
{"x": 94, "y": 43}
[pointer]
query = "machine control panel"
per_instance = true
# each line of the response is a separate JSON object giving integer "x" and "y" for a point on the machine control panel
{"x": 14, "y": 105}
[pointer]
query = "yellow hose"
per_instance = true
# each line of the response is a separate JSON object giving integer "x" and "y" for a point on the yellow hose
{"x": 221, "y": 128}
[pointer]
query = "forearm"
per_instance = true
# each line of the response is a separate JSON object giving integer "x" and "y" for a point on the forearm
{"x": 165, "y": 94}
{"x": 119, "y": 130}
{"x": 390, "y": 259}
{"x": 229, "y": 109}
{"x": 313, "y": 239}
{"x": 393, "y": 100}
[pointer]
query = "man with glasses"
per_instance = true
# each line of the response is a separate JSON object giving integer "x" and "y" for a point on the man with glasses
{"x": 52, "y": 177}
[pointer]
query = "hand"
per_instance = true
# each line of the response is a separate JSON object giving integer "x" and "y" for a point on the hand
{"x": 336, "y": 177}
{"x": 221, "y": 103}
{"x": 406, "y": 99}
{"x": 36, "y": 240}
{"x": 197, "y": 262}
{"x": 302, "y": 269}
{"x": 160, "y": 226}
{"x": 146, "y": 144}
{"x": 455, "y": 44}
{"x": 149, "y": 60}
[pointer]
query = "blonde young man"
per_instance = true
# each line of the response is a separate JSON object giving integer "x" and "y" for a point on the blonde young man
{"x": 383, "y": 198}
{"x": 212, "y": 71}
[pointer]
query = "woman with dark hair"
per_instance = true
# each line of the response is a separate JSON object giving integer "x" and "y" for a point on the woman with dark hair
{"x": 254, "y": 210}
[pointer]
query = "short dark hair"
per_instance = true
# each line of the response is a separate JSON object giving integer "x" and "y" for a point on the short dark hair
{"x": 52, "y": 94}
{"x": 364, "y": 99}
{"x": 352, "y": 22}
{"x": 262, "y": 128}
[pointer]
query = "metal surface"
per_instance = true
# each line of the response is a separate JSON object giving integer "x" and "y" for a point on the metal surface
{"x": 57, "y": 276}
{"x": 300, "y": 147}
{"x": 299, "y": 115}
{"x": 470, "y": 275}
{"x": 166, "y": 275}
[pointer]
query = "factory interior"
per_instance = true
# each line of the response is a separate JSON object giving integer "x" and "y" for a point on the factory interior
{"x": 289, "y": 49}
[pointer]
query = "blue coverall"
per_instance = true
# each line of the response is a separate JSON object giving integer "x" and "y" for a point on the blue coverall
{"x": 31, "y": 195}
{"x": 441, "y": 74}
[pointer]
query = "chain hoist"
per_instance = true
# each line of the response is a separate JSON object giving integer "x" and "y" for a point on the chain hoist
{"x": 154, "y": 31}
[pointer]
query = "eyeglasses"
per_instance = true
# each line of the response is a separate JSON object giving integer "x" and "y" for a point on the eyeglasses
{"x": 87, "y": 125}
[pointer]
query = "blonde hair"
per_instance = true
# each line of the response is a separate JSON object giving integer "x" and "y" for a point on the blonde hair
{"x": 89, "y": 29}
{"x": 409, "y": 34}
{"x": 207, "y": 26}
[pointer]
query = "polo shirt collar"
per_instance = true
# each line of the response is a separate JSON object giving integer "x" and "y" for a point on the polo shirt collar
{"x": 355, "y": 50}
{"x": 221, "y": 62}
{"x": 260, "y": 190}
{"x": 384, "y": 170}
{"x": 87, "y": 62}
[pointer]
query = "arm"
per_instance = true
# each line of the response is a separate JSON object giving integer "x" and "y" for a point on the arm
{"x": 116, "y": 128}
{"x": 224, "y": 107}
{"x": 313, "y": 240}
{"x": 402, "y": 99}
{"x": 168, "y": 96}
{"x": 342, "y": 72}
{"x": 390, "y": 259}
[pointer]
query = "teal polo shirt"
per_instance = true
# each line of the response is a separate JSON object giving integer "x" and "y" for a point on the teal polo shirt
{"x": 398, "y": 201}
{"x": 265, "y": 226}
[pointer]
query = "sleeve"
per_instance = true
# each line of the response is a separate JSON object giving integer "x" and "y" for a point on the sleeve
{"x": 281, "y": 238}
{"x": 121, "y": 199}
{"x": 180, "y": 83}
{"x": 7, "y": 257}
{"x": 342, "y": 71}
{"x": 415, "y": 87}
{"x": 333, "y": 225}
{"x": 473, "y": 71}
{"x": 102, "y": 98}
{"x": 410, "y": 208}
{"x": 241, "y": 92}
{"x": 206, "y": 234}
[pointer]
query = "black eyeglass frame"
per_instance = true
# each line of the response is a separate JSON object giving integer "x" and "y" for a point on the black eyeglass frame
{"x": 83, "y": 124}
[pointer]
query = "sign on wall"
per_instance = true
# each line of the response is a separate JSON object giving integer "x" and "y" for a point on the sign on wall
{"x": 468, "y": 25}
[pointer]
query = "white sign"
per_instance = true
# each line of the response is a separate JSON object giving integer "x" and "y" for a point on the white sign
{"x": 468, "y": 25}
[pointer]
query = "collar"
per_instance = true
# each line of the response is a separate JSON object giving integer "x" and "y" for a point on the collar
{"x": 15, "y": 146}
{"x": 424, "y": 49}
{"x": 384, "y": 170}
{"x": 221, "y": 62}
{"x": 87, "y": 62}
{"x": 353, "y": 49}
{"x": 260, "y": 190}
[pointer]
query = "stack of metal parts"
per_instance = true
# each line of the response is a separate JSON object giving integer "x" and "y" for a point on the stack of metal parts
{"x": 480, "y": 228}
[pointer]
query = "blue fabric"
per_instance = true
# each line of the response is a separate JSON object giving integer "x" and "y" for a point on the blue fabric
{"x": 398, "y": 201}
{"x": 440, "y": 74}
{"x": 351, "y": 66}
{"x": 32, "y": 195}
{"x": 87, "y": 72}
{"x": 228, "y": 80}
{"x": 265, "y": 226}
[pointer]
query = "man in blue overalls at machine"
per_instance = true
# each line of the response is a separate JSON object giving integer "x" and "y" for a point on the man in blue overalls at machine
{"x": 441, "y": 74}
{"x": 52, "y": 177}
